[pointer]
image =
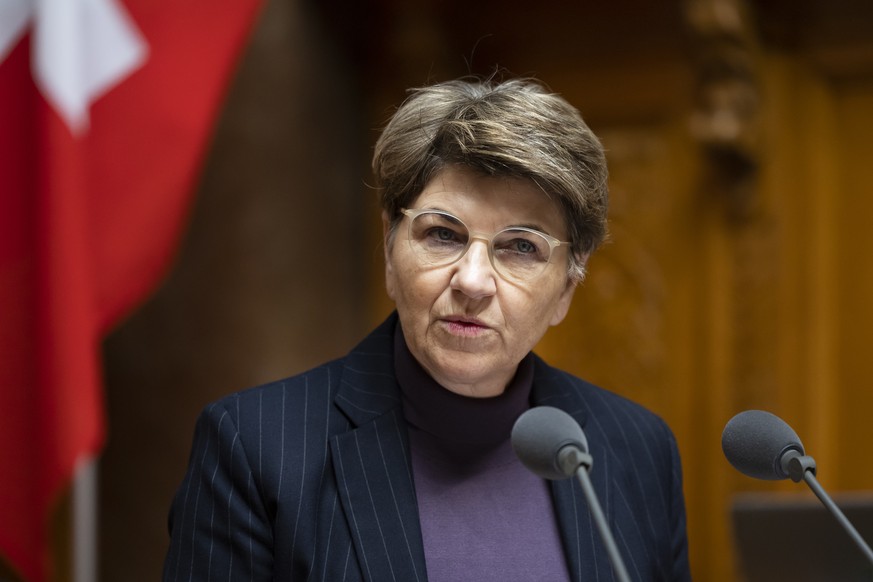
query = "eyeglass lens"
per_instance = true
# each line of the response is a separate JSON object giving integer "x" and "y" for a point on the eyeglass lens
{"x": 517, "y": 253}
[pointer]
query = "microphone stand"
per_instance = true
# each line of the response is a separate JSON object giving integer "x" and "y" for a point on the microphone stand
{"x": 802, "y": 467}
{"x": 578, "y": 462}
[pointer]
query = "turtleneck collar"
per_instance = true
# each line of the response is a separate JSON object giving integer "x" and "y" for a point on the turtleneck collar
{"x": 453, "y": 418}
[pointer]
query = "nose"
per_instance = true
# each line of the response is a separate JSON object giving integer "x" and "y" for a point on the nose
{"x": 474, "y": 274}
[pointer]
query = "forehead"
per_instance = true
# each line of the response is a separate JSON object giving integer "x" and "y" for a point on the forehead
{"x": 492, "y": 203}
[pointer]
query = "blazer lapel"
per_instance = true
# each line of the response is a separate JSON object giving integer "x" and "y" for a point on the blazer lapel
{"x": 583, "y": 547}
{"x": 372, "y": 464}
{"x": 377, "y": 492}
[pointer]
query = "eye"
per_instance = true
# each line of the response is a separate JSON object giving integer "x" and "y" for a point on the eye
{"x": 443, "y": 234}
{"x": 521, "y": 245}
{"x": 434, "y": 229}
{"x": 524, "y": 246}
{"x": 438, "y": 235}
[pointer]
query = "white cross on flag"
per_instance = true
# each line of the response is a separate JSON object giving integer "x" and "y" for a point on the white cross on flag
{"x": 81, "y": 48}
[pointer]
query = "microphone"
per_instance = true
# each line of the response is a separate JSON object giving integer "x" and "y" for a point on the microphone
{"x": 551, "y": 444}
{"x": 762, "y": 445}
{"x": 544, "y": 438}
{"x": 756, "y": 443}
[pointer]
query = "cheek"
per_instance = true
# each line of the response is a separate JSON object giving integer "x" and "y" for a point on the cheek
{"x": 425, "y": 290}
{"x": 531, "y": 311}
{"x": 398, "y": 273}
{"x": 519, "y": 305}
{"x": 390, "y": 284}
{"x": 415, "y": 292}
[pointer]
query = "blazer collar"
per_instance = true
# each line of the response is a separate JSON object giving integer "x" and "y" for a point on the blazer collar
{"x": 368, "y": 386}
{"x": 372, "y": 464}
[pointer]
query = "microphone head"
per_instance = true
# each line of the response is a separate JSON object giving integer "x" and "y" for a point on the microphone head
{"x": 538, "y": 436}
{"x": 755, "y": 441}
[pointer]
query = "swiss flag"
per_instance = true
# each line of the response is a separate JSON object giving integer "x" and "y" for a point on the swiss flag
{"x": 106, "y": 110}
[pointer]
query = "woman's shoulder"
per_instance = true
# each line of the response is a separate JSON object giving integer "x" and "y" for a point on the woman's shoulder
{"x": 609, "y": 406}
{"x": 313, "y": 384}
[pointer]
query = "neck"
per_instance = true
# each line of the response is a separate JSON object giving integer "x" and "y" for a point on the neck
{"x": 454, "y": 416}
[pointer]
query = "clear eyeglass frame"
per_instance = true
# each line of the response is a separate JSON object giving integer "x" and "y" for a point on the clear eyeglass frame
{"x": 506, "y": 273}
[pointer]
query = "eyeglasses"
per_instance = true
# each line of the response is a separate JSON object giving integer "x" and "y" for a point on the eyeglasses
{"x": 517, "y": 254}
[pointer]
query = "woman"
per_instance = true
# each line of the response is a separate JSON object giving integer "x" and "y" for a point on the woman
{"x": 394, "y": 462}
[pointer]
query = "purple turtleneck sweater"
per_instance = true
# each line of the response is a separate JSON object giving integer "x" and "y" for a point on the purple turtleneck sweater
{"x": 483, "y": 515}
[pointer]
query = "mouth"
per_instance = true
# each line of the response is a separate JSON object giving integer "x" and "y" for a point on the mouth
{"x": 465, "y": 326}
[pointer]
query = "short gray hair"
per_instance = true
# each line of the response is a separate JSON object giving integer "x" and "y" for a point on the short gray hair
{"x": 514, "y": 128}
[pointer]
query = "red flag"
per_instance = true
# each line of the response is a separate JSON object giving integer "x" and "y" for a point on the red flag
{"x": 90, "y": 216}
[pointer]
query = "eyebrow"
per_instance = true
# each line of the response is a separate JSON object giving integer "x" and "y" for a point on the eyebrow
{"x": 530, "y": 225}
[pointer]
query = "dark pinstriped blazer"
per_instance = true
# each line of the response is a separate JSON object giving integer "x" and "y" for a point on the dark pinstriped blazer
{"x": 310, "y": 478}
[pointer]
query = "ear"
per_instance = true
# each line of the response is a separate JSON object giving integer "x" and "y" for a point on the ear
{"x": 386, "y": 248}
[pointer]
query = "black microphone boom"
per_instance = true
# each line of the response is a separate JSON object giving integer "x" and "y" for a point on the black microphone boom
{"x": 762, "y": 445}
{"x": 551, "y": 444}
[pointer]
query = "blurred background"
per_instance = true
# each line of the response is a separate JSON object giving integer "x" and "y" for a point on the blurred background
{"x": 738, "y": 274}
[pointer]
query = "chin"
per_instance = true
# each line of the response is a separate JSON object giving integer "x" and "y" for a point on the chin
{"x": 469, "y": 376}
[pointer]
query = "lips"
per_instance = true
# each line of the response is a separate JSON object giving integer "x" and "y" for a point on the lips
{"x": 465, "y": 326}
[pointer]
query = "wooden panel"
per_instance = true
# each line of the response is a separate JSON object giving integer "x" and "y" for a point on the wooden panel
{"x": 854, "y": 390}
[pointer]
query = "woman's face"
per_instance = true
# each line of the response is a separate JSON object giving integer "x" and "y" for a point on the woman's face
{"x": 463, "y": 322}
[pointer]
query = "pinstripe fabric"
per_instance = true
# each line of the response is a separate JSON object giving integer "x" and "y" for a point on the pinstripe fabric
{"x": 637, "y": 476}
{"x": 310, "y": 479}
